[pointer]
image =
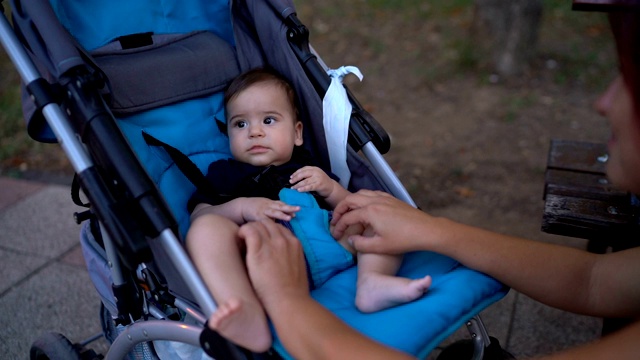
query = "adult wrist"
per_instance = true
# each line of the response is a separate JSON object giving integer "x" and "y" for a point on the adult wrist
{"x": 279, "y": 301}
{"x": 439, "y": 230}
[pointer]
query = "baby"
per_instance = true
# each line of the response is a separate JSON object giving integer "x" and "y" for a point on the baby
{"x": 272, "y": 176}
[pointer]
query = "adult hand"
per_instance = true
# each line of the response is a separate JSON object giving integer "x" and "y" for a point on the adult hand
{"x": 396, "y": 225}
{"x": 278, "y": 274}
{"x": 275, "y": 262}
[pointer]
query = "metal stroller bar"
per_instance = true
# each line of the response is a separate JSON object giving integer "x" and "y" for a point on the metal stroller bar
{"x": 151, "y": 330}
{"x": 387, "y": 175}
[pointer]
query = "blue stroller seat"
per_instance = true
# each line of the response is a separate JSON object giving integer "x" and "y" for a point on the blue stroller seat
{"x": 185, "y": 52}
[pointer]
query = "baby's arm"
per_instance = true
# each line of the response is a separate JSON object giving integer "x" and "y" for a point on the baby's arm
{"x": 242, "y": 210}
{"x": 311, "y": 178}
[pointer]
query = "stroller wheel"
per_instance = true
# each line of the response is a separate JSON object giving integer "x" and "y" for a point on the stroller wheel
{"x": 53, "y": 346}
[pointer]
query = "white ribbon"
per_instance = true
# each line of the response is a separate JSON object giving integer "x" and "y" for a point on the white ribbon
{"x": 336, "y": 114}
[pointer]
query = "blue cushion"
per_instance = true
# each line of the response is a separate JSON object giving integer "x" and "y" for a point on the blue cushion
{"x": 96, "y": 23}
{"x": 456, "y": 295}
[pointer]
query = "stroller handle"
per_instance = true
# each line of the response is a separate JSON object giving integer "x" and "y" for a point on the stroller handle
{"x": 42, "y": 95}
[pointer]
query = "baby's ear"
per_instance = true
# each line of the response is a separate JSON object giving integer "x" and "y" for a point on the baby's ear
{"x": 298, "y": 129}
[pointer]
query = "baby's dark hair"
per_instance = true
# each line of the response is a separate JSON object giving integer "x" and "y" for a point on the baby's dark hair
{"x": 259, "y": 75}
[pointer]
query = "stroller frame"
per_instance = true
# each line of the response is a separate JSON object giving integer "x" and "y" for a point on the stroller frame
{"x": 127, "y": 247}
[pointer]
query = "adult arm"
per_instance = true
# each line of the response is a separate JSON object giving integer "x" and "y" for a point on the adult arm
{"x": 562, "y": 277}
{"x": 307, "y": 330}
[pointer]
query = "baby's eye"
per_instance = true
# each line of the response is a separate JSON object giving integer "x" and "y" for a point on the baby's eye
{"x": 269, "y": 120}
{"x": 240, "y": 124}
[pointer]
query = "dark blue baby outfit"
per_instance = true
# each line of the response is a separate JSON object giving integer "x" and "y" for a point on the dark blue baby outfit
{"x": 231, "y": 179}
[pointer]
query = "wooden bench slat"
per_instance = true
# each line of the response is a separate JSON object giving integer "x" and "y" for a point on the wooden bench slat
{"x": 586, "y": 218}
{"x": 578, "y": 184}
{"x": 577, "y": 156}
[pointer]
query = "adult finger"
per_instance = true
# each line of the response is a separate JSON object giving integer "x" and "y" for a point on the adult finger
{"x": 253, "y": 234}
{"x": 353, "y": 217}
{"x": 355, "y": 201}
{"x": 278, "y": 232}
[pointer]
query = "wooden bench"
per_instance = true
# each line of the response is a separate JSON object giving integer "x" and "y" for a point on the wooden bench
{"x": 580, "y": 201}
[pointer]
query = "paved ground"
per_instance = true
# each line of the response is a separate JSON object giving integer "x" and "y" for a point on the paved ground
{"x": 44, "y": 285}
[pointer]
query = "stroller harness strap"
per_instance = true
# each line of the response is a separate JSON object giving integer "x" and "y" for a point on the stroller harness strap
{"x": 182, "y": 161}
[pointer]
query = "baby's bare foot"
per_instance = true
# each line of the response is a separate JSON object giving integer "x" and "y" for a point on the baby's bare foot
{"x": 242, "y": 324}
{"x": 376, "y": 291}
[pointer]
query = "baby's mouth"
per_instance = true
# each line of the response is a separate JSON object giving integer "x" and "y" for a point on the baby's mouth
{"x": 258, "y": 149}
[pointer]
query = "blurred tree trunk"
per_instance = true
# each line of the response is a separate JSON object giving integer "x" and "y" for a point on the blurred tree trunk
{"x": 507, "y": 32}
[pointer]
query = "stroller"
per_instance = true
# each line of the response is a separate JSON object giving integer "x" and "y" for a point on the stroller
{"x": 132, "y": 92}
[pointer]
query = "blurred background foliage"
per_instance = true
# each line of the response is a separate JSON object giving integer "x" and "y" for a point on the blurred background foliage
{"x": 436, "y": 42}
{"x": 438, "y": 36}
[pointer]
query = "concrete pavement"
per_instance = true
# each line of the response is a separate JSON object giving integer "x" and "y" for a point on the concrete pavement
{"x": 44, "y": 285}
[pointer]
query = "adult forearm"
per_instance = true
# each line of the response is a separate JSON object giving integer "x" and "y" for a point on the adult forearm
{"x": 556, "y": 275}
{"x": 309, "y": 331}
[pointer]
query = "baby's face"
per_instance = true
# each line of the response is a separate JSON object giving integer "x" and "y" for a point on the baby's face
{"x": 262, "y": 126}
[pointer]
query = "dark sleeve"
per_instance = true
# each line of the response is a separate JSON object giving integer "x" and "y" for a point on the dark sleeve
{"x": 200, "y": 198}
{"x": 212, "y": 195}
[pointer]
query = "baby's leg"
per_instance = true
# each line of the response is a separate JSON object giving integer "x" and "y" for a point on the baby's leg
{"x": 378, "y": 288}
{"x": 216, "y": 251}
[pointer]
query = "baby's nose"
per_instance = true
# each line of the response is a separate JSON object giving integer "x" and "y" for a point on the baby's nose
{"x": 256, "y": 131}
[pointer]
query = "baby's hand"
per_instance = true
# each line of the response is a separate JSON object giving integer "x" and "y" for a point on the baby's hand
{"x": 311, "y": 178}
{"x": 255, "y": 209}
